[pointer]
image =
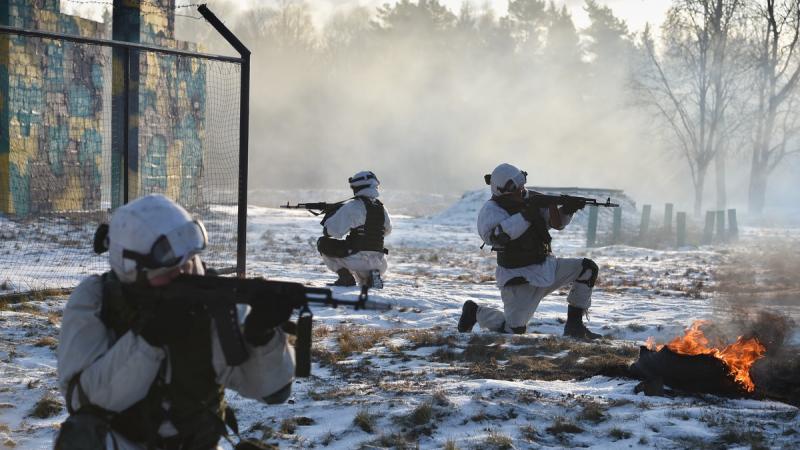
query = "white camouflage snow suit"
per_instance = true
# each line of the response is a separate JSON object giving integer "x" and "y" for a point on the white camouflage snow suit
{"x": 351, "y": 217}
{"x": 115, "y": 372}
{"x": 522, "y": 288}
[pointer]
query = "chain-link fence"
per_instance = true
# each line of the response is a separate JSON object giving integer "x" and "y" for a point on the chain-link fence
{"x": 87, "y": 124}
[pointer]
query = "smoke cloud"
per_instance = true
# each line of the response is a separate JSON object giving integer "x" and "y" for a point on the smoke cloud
{"x": 431, "y": 98}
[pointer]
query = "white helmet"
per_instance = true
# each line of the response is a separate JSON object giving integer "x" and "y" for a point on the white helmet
{"x": 152, "y": 233}
{"x": 506, "y": 178}
{"x": 363, "y": 180}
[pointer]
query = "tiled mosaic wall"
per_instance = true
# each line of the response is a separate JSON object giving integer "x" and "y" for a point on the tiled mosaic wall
{"x": 52, "y": 115}
{"x": 51, "y": 120}
{"x": 170, "y": 151}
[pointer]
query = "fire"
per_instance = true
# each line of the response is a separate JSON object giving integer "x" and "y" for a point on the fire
{"x": 739, "y": 356}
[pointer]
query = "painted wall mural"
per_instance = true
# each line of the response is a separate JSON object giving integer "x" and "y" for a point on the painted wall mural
{"x": 56, "y": 118}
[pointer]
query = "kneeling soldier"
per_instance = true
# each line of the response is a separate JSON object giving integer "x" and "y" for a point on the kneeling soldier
{"x": 526, "y": 269}
{"x": 366, "y": 222}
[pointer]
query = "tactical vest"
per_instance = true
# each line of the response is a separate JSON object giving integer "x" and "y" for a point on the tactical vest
{"x": 197, "y": 405}
{"x": 530, "y": 248}
{"x": 369, "y": 237}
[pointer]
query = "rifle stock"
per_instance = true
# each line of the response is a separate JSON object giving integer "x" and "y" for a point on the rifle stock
{"x": 218, "y": 297}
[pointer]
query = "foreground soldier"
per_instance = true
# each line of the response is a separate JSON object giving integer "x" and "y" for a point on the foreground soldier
{"x": 133, "y": 380}
{"x": 526, "y": 268}
{"x": 366, "y": 220}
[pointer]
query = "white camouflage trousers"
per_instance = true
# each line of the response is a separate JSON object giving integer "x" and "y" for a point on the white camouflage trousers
{"x": 520, "y": 301}
{"x": 360, "y": 264}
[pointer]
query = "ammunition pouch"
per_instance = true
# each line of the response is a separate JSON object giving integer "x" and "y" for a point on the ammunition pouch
{"x": 517, "y": 259}
{"x": 83, "y": 431}
{"x": 335, "y": 248}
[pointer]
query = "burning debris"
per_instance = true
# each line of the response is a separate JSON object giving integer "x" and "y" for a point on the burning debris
{"x": 738, "y": 357}
{"x": 758, "y": 363}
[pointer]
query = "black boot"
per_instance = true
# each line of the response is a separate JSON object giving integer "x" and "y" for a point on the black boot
{"x": 469, "y": 316}
{"x": 345, "y": 278}
{"x": 575, "y": 327}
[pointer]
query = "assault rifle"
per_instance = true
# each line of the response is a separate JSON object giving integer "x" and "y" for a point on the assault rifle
{"x": 543, "y": 200}
{"x": 218, "y": 297}
{"x": 318, "y": 208}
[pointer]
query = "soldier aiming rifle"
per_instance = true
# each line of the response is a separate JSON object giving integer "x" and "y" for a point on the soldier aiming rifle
{"x": 147, "y": 349}
{"x": 516, "y": 222}
{"x": 365, "y": 222}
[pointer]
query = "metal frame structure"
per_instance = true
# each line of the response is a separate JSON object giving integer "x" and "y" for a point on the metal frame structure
{"x": 244, "y": 106}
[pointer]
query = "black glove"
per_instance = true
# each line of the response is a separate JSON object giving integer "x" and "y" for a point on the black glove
{"x": 572, "y": 206}
{"x": 164, "y": 323}
{"x": 263, "y": 318}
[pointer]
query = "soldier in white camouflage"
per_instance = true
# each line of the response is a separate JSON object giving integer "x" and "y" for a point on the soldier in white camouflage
{"x": 526, "y": 269}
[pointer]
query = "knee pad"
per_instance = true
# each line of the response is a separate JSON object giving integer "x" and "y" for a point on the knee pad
{"x": 519, "y": 330}
{"x": 591, "y": 267}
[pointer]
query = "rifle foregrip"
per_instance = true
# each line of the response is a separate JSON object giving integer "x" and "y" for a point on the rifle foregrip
{"x": 302, "y": 347}
{"x": 231, "y": 340}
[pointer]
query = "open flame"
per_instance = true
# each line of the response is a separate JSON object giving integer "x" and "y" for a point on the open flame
{"x": 739, "y": 356}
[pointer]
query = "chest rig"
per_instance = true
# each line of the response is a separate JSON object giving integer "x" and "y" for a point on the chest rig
{"x": 532, "y": 247}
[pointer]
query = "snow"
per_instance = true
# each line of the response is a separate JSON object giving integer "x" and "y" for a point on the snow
{"x": 435, "y": 265}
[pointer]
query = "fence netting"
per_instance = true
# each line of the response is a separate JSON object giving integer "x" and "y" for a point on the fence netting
{"x": 63, "y": 160}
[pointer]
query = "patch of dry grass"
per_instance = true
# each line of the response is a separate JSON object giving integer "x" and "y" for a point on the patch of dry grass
{"x": 532, "y": 358}
{"x": 358, "y": 340}
{"x": 47, "y": 341}
{"x": 365, "y": 421}
{"x": 47, "y": 406}
{"x": 428, "y": 338}
{"x": 619, "y": 434}
{"x": 420, "y": 415}
{"x": 498, "y": 441}
{"x": 562, "y": 425}
{"x": 593, "y": 412}
{"x": 394, "y": 441}
{"x": 528, "y": 433}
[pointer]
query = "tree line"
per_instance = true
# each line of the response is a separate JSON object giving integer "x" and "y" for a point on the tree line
{"x": 715, "y": 84}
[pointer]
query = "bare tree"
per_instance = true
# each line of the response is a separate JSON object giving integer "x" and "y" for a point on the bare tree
{"x": 776, "y": 32}
{"x": 691, "y": 83}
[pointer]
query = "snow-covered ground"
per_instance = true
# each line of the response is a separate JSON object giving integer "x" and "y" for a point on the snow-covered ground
{"x": 405, "y": 377}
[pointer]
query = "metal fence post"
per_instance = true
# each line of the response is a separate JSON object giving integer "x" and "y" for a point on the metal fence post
{"x": 591, "y": 232}
{"x": 680, "y": 220}
{"x": 244, "y": 134}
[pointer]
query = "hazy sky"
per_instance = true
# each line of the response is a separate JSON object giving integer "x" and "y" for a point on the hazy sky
{"x": 635, "y": 12}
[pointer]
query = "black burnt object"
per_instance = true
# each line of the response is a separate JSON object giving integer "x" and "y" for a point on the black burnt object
{"x": 690, "y": 373}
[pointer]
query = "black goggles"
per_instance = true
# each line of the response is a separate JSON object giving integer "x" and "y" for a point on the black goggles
{"x": 368, "y": 176}
{"x": 174, "y": 248}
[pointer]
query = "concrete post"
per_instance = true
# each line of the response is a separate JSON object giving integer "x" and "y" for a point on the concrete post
{"x": 680, "y": 218}
{"x": 708, "y": 231}
{"x": 733, "y": 225}
{"x": 668, "y": 218}
{"x": 645, "y": 225}
{"x": 721, "y": 226}
{"x": 616, "y": 231}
